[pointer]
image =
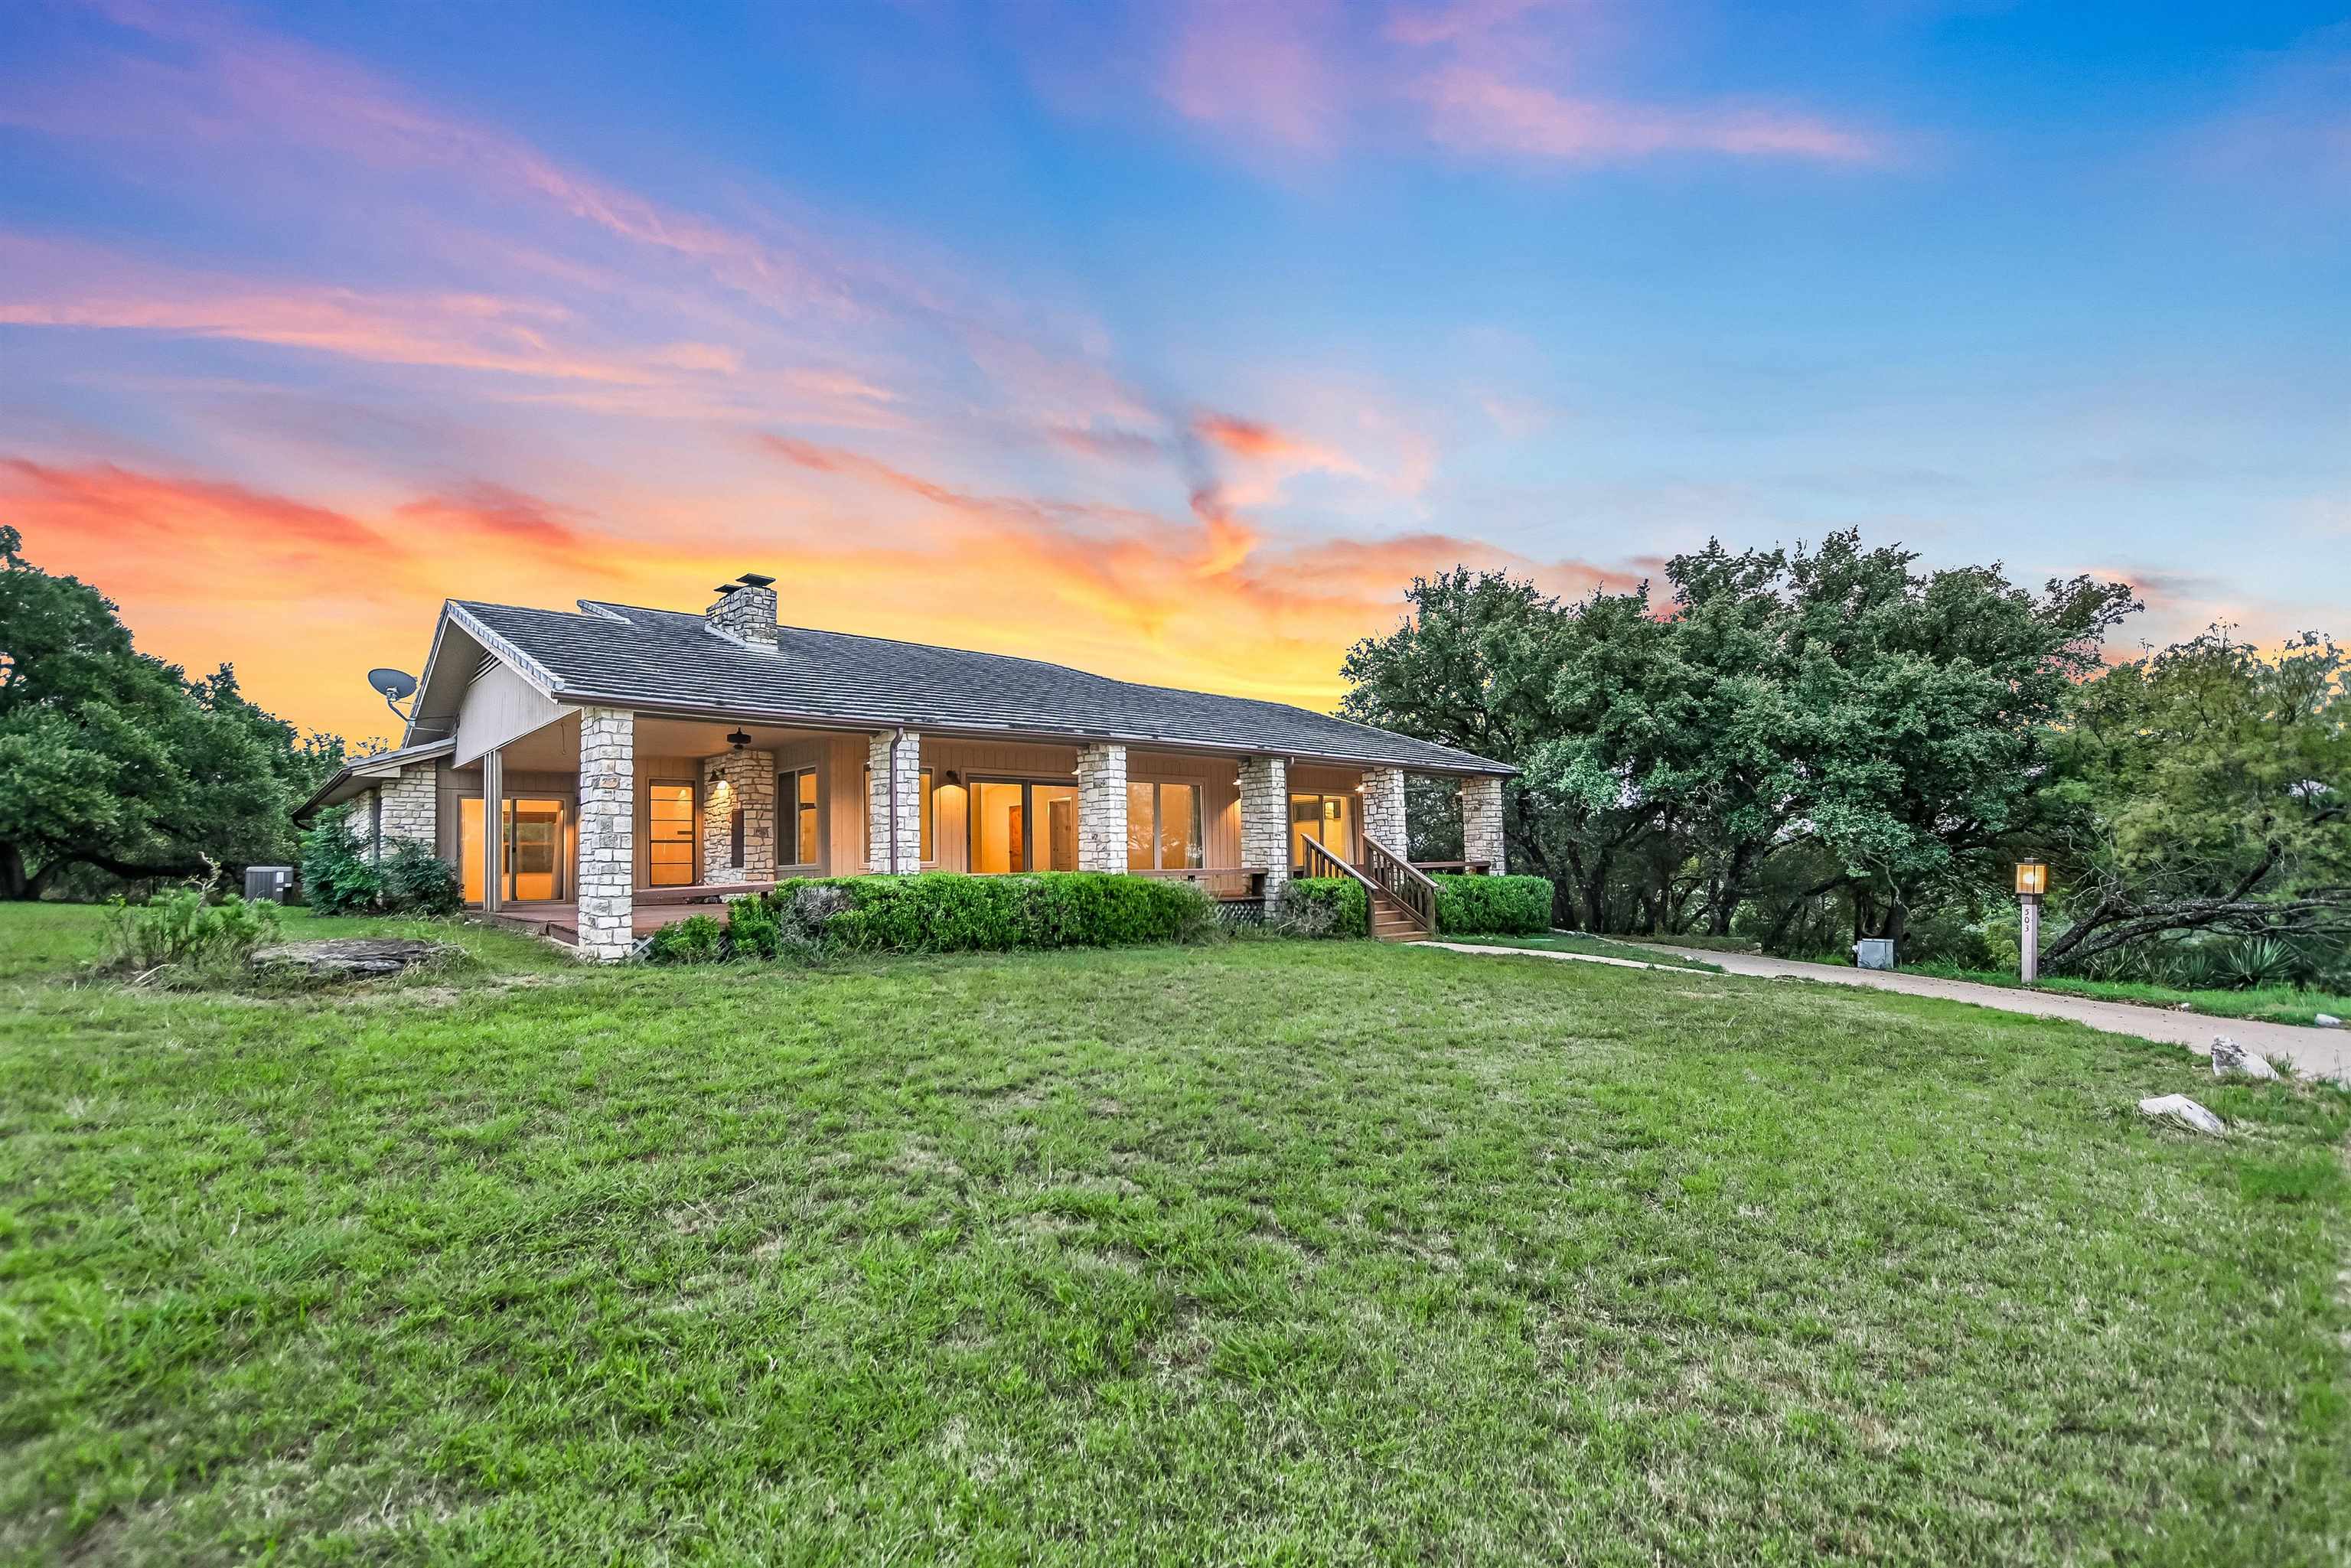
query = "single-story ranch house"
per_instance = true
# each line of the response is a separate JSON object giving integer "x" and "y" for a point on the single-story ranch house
{"x": 594, "y": 773}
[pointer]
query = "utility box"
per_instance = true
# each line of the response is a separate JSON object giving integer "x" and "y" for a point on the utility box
{"x": 270, "y": 884}
{"x": 1874, "y": 953}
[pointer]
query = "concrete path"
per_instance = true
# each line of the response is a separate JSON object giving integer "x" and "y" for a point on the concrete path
{"x": 2315, "y": 1052}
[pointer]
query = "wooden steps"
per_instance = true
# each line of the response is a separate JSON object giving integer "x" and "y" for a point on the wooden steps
{"x": 1391, "y": 922}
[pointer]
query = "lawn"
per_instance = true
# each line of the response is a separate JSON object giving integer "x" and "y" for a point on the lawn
{"x": 2271, "y": 1004}
{"x": 1297, "y": 1252}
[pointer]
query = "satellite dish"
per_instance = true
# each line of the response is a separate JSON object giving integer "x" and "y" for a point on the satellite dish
{"x": 392, "y": 684}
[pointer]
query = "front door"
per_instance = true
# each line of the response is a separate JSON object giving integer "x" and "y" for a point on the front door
{"x": 532, "y": 858}
{"x": 1329, "y": 821}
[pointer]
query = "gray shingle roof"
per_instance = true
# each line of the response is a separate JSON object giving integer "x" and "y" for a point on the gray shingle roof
{"x": 669, "y": 659}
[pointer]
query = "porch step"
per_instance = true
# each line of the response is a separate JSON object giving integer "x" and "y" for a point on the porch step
{"x": 1391, "y": 922}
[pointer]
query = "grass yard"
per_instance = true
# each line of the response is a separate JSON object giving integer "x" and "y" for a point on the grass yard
{"x": 1594, "y": 946}
{"x": 1298, "y": 1252}
{"x": 2270, "y": 1004}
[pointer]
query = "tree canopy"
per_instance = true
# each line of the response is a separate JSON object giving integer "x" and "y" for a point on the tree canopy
{"x": 1830, "y": 708}
{"x": 115, "y": 762}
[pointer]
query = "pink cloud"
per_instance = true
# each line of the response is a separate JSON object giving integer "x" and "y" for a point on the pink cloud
{"x": 1263, "y": 70}
{"x": 1474, "y": 110}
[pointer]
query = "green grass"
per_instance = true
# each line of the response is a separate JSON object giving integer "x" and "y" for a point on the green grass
{"x": 2270, "y": 1004}
{"x": 1596, "y": 947}
{"x": 1297, "y": 1252}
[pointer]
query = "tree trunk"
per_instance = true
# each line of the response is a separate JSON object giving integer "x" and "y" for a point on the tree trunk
{"x": 14, "y": 885}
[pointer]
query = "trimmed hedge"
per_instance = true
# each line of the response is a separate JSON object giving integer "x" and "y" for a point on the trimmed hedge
{"x": 1323, "y": 906}
{"x": 952, "y": 911}
{"x": 1492, "y": 905}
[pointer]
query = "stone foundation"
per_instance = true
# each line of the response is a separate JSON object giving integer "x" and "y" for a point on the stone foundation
{"x": 408, "y": 805}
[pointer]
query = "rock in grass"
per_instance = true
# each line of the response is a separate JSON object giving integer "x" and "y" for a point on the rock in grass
{"x": 2228, "y": 1057}
{"x": 352, "y": 958}
{"x": 2181, "y": 1112}
{"x": 2327, "y": 1020}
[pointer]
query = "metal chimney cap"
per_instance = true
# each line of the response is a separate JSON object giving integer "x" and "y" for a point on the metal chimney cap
{"x": 754, "y": 580}
{"x": 724, "y": 588}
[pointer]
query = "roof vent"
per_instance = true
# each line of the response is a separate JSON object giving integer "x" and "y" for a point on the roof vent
{"x": 745, "y": 609}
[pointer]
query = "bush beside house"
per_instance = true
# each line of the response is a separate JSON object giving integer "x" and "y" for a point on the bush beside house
{"x": 945, "y": 912}
{"x": 1492, "y": 905}
{"x": 339, "y": 877}
{"x": 1323, "y": 906}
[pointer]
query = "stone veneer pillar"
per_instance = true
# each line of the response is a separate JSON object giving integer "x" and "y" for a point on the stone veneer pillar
{"x": 608, "y": 844}
{"x": 744, "y": 782}
{"x": 1482, "y": 823}
{"x": 1265, "y": 818}
{"x": 1383, "y": 809}
{"x": 908, "y": 798}
{"x": 1102, "y": 807}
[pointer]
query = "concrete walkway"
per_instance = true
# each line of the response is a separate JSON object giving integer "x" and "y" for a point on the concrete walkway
{"x": 2315, "y": 1052}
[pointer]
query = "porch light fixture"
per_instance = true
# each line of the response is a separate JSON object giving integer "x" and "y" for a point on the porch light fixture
{"x": 951, "y": 779}
{"x": 2032, "y": 882}
{"x": 739, "y": 739}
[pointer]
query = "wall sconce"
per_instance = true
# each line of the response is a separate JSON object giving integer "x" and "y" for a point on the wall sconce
{"x": 950, "y": 779}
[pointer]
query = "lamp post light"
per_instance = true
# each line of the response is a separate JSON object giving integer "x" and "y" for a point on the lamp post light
{"x": 2032, "y": 882}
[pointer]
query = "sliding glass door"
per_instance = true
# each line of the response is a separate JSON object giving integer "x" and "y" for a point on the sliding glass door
{"x": 1020, "y": 826}
{"x": 531, "y": 856}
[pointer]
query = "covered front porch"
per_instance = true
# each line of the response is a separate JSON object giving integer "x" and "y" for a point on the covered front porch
{"x": 600, "y": 826}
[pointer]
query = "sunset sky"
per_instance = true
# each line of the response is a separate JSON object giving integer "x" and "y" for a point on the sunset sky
{"x": 1169, "y": 342}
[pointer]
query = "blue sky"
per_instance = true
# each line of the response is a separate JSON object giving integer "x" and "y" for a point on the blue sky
{"x": 1170, "y": 342}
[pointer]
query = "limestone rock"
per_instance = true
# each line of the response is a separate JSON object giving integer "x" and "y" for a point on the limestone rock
{"x": 2327, "y": 1020}
{"x": 352, "y": 958}
{"x": 2228, "y": 1057}
{"x": 2179, "y": 1110}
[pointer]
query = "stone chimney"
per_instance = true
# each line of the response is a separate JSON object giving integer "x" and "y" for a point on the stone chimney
{"x": 745, "y": 609}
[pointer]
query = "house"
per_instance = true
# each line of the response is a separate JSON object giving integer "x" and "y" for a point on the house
{"x": 595, "y": 772}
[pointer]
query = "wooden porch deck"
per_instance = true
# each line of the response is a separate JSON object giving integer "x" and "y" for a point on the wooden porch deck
{"x": 560, "y": 922}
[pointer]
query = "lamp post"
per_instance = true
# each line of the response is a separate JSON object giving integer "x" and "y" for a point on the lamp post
{"x": 2032, "y": 882}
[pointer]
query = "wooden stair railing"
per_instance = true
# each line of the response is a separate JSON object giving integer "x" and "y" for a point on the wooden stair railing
{"x": 1391, "y": 919}
{"x": 1401, "y": 881}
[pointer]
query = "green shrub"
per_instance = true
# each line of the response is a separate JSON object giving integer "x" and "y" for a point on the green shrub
{"x": 1323, "y": 906}
{"x": 182, "y": 929}
{"x": 1492, "y": 905}
{"x": 950, "y": 912}
{"x": 418, "y": 881}
{"x": 339, "y": 877}
{"x": 697, "y": 939}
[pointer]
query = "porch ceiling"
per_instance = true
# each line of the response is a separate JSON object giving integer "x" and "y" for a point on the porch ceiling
{"x": 703, "y": 738}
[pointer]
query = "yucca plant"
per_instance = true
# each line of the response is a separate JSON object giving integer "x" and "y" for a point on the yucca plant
{"x": 2259, "y": 961}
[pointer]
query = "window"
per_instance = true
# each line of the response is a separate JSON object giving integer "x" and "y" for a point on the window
{"x": 1017, "y": 826}
{"x": 1162, "y": 827}
{"x": 669, "y": 835}
{"x": 926, "y": 856}
{"x": 796, "y": 823}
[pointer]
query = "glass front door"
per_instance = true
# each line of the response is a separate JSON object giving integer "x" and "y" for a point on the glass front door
{"x": 669, "y": 835}
{"x": 1016, "y": 826}
{"x": 532, "y": 854}
{"x": 1329, "y": 821}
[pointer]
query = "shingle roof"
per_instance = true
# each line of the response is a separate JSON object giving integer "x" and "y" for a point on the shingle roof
{"x": 668, "y": 659}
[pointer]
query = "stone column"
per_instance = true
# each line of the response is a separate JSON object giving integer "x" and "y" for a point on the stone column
{"x": 410, "y": 806}
{"x": 608, "y": 815}
{"x": 741, "y": 781}
{"x": 1383, "y": 809}
{"x": 494, "y": 831}
{"x": 1482, "y": 822}
{"x": 1102, "y": 808}
{"x": 1265, "y": 818}
{"x": 904, "y": 801}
